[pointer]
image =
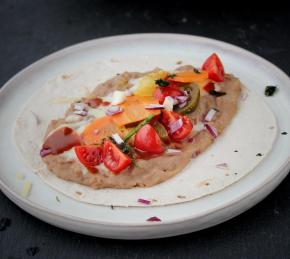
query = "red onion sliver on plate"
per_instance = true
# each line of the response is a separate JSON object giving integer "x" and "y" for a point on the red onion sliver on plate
{"x": 175, "y": 126}
{"x": 147, "y": 202}
{"x": 209, "y": 116}
{"x": 212, "y": 130}
{"x": 154, "y": 106}
{"x": 222, "y": 166}
{"x": 152, "y": 219}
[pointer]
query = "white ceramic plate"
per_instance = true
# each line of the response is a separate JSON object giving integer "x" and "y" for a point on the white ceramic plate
{"x": 130, "y": 223}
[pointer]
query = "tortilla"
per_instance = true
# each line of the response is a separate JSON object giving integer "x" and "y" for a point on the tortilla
{"x": 251, "y": 132}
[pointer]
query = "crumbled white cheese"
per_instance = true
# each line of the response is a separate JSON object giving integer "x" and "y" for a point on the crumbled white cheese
{"x": 118, "y": 97}
{"x": 198, "y": 126}
{"x": 168, "y": 103}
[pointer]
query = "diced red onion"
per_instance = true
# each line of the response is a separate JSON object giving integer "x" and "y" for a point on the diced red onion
{"x": 114, "y": 109}
{"x": 222, "y": 166}
{"x": 81, "y": 113}
{"x": 80, "y": 107}
{"x": 182, "y": 98}
{"x": 154, "y": 107}
{"x": 172, "y": 151}
{"x": 211, "y": 113}
{"x": 212, "y": 130}
{"x": 117, "y": 138}
{"x": 44, "y": 152}
{"x": 152, "y": 219}
{"x": 181, "y": 105}
{"x": 147, "y": 202}
{"x": 175, "y": 126}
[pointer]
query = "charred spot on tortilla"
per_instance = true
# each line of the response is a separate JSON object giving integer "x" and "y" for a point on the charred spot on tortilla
{"x": 259, "y": 154}
{"x": 284, "y": 133}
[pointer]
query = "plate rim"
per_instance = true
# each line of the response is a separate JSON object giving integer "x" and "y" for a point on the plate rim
{"x": 87, "y": 44}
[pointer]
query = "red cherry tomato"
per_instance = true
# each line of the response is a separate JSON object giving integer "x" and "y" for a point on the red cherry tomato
{"x": 90, "y": 155}
{"x": 162, "y": 92}
{"x": 169, "y": 118}
{"x": 214, "y": 67}
{"x": 148, "y": 140}
{"x": 209, "y": 87}
{"x": 114, "y": 159}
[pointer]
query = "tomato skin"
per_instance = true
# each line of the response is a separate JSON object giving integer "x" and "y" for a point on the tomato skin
{"x": 170, "y": 117}
{"x": 214, "y": 67}
{"x": 209, "y": 87}
{"x": 162, "y": 92}
{"x": 89, "y": 155}
{"x": 148, "y": 140}
{"x": 114, "y": 159}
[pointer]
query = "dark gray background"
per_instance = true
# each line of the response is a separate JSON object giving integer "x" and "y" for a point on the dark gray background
{"x": 30, "y": 30}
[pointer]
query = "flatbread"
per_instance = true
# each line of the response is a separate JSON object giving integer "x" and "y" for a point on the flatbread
{"x": 252, "y": 132}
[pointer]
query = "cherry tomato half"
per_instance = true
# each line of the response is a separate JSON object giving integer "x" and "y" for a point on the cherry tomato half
{"x": 162, "y": 92}
{"x": 214, "y": 67}
{"x": 209, "y": 87}
{"x": 89, "y": 155}
{"x": 114, "y": 159}
{"x": 148, "y": 140}
{"x": 169, "y": 117}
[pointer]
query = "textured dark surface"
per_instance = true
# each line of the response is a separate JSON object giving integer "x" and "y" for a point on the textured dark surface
{"x": 32, "y": 29}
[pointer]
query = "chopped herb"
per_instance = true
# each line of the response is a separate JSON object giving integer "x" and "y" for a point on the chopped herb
{"x": 139, "y": 126}
{"x": 196, "y": 71}
{"x": 32, "y": 251}
{"x": 171, "y": 76}
{"x": 270, "y": 90}
{"x": 162, "y": 82}
{"x": 57, "y": 199}
{"x": 134, "y": 162}
{"x": 217, "y": 94}
{"x": 4, "y": 223}
{"x": 284, "y": 133}
{"x": 259, "y": 154}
